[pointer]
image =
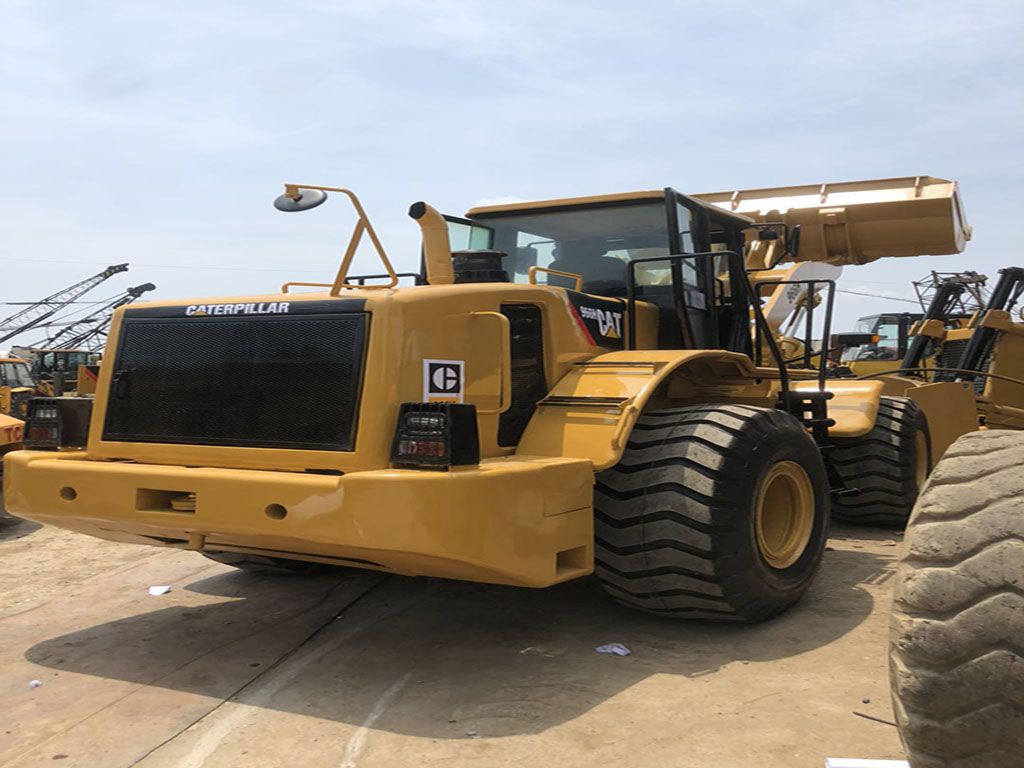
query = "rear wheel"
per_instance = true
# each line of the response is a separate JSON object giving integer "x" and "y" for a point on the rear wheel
{"x": 885, "y": 469}
{"x": 957, "y": 647}
{"x": 263, "y": 564}
{"x": 714, "y": 512}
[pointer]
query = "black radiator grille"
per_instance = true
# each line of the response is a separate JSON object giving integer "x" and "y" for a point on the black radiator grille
{"x": 949, "y": 357}
{"x": 267, "y": 381}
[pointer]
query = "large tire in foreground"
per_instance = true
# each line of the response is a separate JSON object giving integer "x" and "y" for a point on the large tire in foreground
{"x": 885, "y": 469}
{"x": 263, "y": 564}
{"x": 957, "y": 648}
{"x": 714, "y": 512}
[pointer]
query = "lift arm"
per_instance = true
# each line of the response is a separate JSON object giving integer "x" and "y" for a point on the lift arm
{"x": 932, "y": 325}
{"x": 1004, "y": 297}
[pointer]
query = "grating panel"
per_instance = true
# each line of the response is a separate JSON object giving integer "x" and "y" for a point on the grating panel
{"x": 528, "y": 382}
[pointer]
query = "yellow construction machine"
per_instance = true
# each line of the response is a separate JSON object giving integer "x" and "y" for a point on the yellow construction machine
{"x": 56, "y": 371}
{"x": 16, "y": 389}
{"x": 570, "y": 386}
{"x": 984, "y": 353}
{"x": 880, "y": 341}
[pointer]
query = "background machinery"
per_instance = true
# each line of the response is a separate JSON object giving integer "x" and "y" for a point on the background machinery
{"x": 40, "y": 312}
{"x": 594, "y": 387}
{"x": 985, "y": 353}
{"x": 881, "y": 340}
{"x": 71, "y": 350}
{"x": 16, "y": 389}
{"x": 89, "y": 331}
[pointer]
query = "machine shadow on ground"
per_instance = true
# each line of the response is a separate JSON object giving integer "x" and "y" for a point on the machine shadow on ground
{"x": 12, "y": 528}
{"x": 475, "y": 659}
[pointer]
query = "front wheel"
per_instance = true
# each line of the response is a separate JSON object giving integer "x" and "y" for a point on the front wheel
{"x": 884, "y": 470}
{"x": 714, "y": 512}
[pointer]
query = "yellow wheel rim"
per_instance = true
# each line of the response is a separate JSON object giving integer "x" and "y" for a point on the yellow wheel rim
{"x": 784, "y": 515}
{"x": 921, "y": 459}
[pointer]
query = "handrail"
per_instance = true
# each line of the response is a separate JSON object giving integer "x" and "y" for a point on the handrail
{"x": 808, "y": 341}
{"x": 531, "y": 276}
{"x": 362, "y": 225}
{"x": 293, "y": 284}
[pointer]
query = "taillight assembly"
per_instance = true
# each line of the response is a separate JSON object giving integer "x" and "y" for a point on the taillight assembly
{"x": 11, "y": 434}
{"x": 57, "y": 422}
{"x": 435, "y": 436}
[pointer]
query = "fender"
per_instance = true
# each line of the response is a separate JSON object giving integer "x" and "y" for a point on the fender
{"x": 951, "y": 411}
{"x": 589, "y": 413}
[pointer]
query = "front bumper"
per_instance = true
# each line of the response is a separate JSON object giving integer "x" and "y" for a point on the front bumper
{"x": 518, "y": 520}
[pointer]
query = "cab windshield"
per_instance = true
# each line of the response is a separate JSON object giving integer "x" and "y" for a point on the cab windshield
{"x": 888, "y": 345}
{"x": 15, "y": 374}
{"x": 61, "y": 360}
{"x": 595, "y": 243}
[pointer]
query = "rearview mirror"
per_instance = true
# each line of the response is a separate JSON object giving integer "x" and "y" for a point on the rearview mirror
{"x": 308, "y": 198}
{"x": 793, "y": 242}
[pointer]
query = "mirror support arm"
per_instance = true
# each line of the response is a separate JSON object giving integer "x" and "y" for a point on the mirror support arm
{"x": 363, "y": 225}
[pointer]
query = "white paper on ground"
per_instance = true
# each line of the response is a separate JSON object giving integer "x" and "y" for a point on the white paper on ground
{"x": 35, "y": 683}
{"x": 163, "y": 590}
{"x": 856, "y": 762}
{"x": 616, "y": 648}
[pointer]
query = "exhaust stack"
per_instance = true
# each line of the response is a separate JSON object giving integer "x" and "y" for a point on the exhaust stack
{"x": 437, "y": 250}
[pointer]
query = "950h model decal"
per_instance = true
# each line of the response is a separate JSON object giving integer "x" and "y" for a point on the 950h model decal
{"x": 600, "y": 320}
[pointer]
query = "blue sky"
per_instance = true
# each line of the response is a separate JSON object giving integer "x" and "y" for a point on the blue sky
{"x": 158, "y": 133}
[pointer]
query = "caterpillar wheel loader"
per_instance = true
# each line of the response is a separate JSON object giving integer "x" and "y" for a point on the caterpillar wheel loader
{"x": 579, "y": 385}
{"x": 957, "y": 645}
{"x": 983, "y": 353}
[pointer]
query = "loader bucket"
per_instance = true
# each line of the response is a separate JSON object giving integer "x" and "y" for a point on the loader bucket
{"x": 857, "y": 222}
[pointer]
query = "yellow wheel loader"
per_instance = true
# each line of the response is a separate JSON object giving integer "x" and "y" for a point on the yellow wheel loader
{"x": 983, "y": 354}
{"x": 16, "y": 389}
{"x": 570, "y": 386}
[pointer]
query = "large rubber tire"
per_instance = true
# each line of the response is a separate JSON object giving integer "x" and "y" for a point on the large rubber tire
{"x": 262, "y": 564}
{"x": 675, "y": 518}
{"x": 884, "y": 469}
{"x": 957, "y": 646}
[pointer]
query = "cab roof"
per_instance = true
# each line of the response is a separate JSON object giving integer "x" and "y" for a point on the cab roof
{"x": 531, "y": 206}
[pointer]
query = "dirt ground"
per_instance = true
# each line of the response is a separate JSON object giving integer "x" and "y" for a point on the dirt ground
{"x": 233, "y": 669}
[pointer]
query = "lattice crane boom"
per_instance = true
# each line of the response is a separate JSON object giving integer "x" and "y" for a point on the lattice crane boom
{"x": 90, "y": 332}
{"x": 42, "y": 310}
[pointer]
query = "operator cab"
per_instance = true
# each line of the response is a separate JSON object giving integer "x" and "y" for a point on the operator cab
{"x": 603, "y": 238}
{"x": 889, "y": 334}
{"x": 14, "y": 372}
